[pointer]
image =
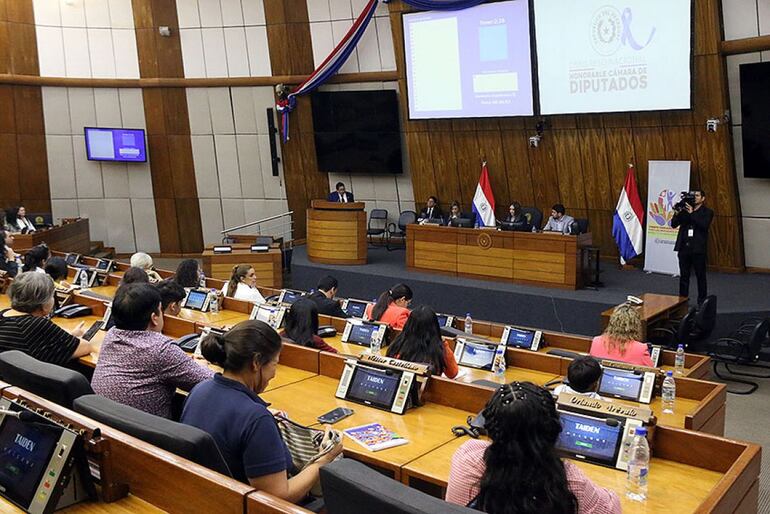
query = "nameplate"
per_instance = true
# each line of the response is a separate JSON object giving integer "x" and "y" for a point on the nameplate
{"x": 390, "y": 362}
{"x": 223, "y": 249}
{"x": 607, "y": 363}
{"x": 572, "y": 401}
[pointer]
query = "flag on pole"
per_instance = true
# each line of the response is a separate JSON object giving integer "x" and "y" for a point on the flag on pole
{"x": 484, "y": 200}
{"x": 628, "y": 220}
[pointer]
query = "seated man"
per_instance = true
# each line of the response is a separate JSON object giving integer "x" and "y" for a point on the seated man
{"x": 340, "y": 195}
{"x": 171, "y": 296}
{"x": 583, "y": 376}
{"x": 558, "y": 222}
{"x": 432, "y": 211}
{"x": 138, "y": 366}
{"x": 324, "y": 298}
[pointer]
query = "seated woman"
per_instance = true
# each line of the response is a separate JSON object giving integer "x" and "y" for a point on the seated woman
{"x": 421, "y": 342}
{"x": 515, "y": 216}
{"x": 26, "y": 327}
{"x": 57, "y": 269}
{"x": 229, "y": 408}
{"x": 620, "y": 340}
{"x": 188, "y": 273}
{"x": 35, "y": 258}
{"x": 391, "y": 307}
{"x": 243, "y": 284}
{"x": 8, "y": 257}
{"x": 301, "y": 325}
{"x": 454, "y": 213}
{"x": 144, "y": 261}
{"x": 134, "y": 275}
{"x": 519, "y": 470}
{"x": 16, "y": 220}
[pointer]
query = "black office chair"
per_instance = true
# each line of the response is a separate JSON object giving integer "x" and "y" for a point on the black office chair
{"x": 398, "y": 230}
{"x": 54, "y": 383}
{"x": 186, "y": 441}
{"x": 534, "y": 216}
{"x": 675, "y": 332}
{"x": 579, "y": 226}
{"x": 380, "y": 219}
{"x": 351, "y": 487}
{"x": 705, "y": 319}
{"x": 741, "y": 349}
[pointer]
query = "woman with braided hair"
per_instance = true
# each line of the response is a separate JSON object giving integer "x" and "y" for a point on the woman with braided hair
{"x": 519, "y": 470}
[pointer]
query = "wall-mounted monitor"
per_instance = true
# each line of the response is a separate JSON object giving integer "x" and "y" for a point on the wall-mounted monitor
{"x": 469, "y": 63}
{"x": 755, "y": 108}
{"x": 115, "y": 144}
{"x": 613, "y": 55}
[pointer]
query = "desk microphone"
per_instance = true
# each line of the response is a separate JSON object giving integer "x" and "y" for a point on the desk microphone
{"x": 20, "y": 415}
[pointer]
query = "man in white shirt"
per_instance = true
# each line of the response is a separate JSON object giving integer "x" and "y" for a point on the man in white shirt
{"x": 559, "y": 222}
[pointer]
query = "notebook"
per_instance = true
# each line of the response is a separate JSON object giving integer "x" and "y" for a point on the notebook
{"x": 375, "y": 437}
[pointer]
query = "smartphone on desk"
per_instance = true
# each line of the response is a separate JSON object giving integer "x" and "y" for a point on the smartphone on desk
{"x": 335, "y": 415}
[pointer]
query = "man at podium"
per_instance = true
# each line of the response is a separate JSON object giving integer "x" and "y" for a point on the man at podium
{"x": 340, "y": 195}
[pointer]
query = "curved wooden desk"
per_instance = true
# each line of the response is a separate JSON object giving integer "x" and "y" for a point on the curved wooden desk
{"x": 336, "y": 232}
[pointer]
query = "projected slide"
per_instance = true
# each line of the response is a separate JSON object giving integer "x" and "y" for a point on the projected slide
{"x": 612, "y": 55}
{"x": 469, "y": 63}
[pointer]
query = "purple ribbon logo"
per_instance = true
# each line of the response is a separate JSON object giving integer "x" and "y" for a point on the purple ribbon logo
{"x": 610, "y": 30}
{"x": 627, "y": 37}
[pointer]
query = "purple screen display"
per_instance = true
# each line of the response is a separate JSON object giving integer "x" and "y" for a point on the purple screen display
{"x": 470, "y": 63}
{"x": 115, "y": 144}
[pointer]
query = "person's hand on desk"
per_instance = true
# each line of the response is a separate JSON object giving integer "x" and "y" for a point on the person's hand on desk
{"x": 79, "y": 330}
{"x": 334, "y": 452}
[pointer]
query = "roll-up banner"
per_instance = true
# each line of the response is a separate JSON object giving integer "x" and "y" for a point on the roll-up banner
{"x": 667, "y": 179}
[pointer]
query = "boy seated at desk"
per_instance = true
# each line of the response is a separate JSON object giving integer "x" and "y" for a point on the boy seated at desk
{"x": 583, "y": 377}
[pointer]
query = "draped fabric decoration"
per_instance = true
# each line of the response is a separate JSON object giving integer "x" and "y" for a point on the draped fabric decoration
{"x": 287, "y": 101}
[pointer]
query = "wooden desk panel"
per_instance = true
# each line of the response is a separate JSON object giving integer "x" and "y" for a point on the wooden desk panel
{"x": 129, "y": 504}
{"x": 70, "y": 238}
{"x": 336, "y": 232}
{"x": 267, "y": 265}
{"x": 544, "y": 259}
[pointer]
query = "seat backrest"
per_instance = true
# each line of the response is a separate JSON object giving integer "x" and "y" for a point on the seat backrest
{"x": 582, "y": 225}
{"x": 757, "y": 337}
{"x": 685, "y": 328}
{"x": 378, "y": 214}
{"x": 54, "y": 383}
{"x": 351, "y": 487}
{"x": 707, "y": 316}
{"x": 534, "y": 216}
{"x": 406, "y": 218}
{"x": 183, "y": 440}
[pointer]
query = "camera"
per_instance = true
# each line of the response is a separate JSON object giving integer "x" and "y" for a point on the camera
{"x": 685, "y": 198}
{"x": 712, "y": 124}
{"x": 534, "y": 141}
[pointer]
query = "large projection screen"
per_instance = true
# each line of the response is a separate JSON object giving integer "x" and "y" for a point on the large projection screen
{"x": 469, "y": 63}
{"x": 613, "y": 55}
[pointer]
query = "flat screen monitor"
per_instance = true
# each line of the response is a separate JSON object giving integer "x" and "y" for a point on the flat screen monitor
{"x": 593, "y": 439}
{"x": 462, "y": 222}
{"x": 478, "y": 355}
{"x": 374, "y": 387}
{"x": 356, "y": 308}
{"x": 519, "y": 337}
{"x": 620, "y": 383}
{"x": 290, "y": 296}
{"x": 270, "y": 314}
{"x": 196, "y": 299}
{"x": 362, "y": 333}
{"x": 613, "y": 55}
{"x": 755, "y": 104}
{"x": 469, "y": 63}
{"x": 72, "y": 258}
{"x": 445, "y": 320}
{"x": 104, "y": 264}
{"x": 41, "y": 219}
{"x": 115, "y": 144}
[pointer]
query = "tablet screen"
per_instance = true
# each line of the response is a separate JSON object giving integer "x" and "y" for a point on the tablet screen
{"x": 374, "y": 387}
{"x": 290, "y": 296}
{"x": 356, "y": 308}
{"x": 362, "y": 334}
{"x": 102, "y": 264}
{"x": 478, "y": 355}
{"x": 621, "y": 384}
{"x": 520, "y": 338}
{"x": 442, "y": 319}
{"x": 590, "y": 437}
{"x": 196, "y": 299}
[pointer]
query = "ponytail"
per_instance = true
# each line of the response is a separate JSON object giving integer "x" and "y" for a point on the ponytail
{"x": 213, "y": 348}
{"x": 238, "y": 347}
{"x": 388, "y": 297}
{"x": 239, "y": 271}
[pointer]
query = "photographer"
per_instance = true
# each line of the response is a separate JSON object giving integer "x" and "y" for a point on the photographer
{"x": 693, "y": 219}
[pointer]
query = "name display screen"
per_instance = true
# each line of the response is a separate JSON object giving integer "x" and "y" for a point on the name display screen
{"x": 25, "y": 450}
{"x": 469, "y": 63}
{"x": 196, "y": 299}
{"x": 520, "y": 338}
{"x": 478, "y": 355}
{"x": 590, "y": 437}
{"x": 362, "y": 334}
{"x": 114, "y": 144}
{"x": 102, "y": 264}
{"x": 264, "y": 312}
{"x": 355, "y": 308}
{"x": 621, "y": 383}
{"x": 290, "y": 296}
{"x": 442, "y": 319}
{"x": 374, "y": 386}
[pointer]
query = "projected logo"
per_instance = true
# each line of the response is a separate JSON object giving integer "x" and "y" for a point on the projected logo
{"x": 662, "y": 210}
{"x": 610, "y": 30}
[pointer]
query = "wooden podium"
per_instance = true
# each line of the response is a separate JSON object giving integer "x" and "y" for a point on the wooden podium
{"x": 72, "y": 237}
{"x": 267, "y": 265}
{"x": 336, "y": 232}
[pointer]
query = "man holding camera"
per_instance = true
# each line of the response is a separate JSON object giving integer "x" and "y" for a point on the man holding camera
{"x": 693, "y": 219}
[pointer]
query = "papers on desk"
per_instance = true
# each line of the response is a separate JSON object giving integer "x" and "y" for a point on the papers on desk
{"x": 375, "y": 437}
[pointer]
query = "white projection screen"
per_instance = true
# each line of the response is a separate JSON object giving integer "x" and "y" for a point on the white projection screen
{"x": 612, "y": 55}
{"x": 469, "y": 63}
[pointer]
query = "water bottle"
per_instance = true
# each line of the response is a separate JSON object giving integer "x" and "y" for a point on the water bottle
{"x": 499, "y": 366}
{"x": 468, "y": 323}
{"x": 669, "y": 393}
{"x": 214, "y": 303}
{"x": 375, "y": 343}
{"x": 679, "y": 361}
{"x": 83, "y": 280}
{"x": 638, "y": 466}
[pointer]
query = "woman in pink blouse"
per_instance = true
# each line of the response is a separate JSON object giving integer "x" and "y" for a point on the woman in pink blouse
{"x": 620, "y": 340}
{"x": 519, "y": 471}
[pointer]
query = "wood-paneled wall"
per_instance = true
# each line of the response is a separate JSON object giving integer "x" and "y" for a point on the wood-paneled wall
{"x": 582, "y": 160}
{"x": 23, "y": 163}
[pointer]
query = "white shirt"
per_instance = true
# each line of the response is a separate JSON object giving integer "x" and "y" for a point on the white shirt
{"x": 25, "y": 222}
{"x": 244, "y": 292}
{"x": 564, "y": 388}
{"x": 562, "y": 225}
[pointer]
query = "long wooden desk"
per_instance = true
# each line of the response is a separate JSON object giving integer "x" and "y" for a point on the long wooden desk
{"x": 336, "y": 232}
{"x": 656, "y": 309}
{"x": 73, "y": 237}
{"x": 267, "y": 265}
{"x": 543, "y": 259}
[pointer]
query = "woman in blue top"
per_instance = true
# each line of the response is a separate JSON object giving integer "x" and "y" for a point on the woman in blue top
{"x": 229, "y": 408}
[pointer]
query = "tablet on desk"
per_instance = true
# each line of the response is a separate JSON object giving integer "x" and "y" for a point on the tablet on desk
{"x": 478, "y": 354}
{"x": 630, "y": 385}
{"x": 355, "y": 308}
{"x": 521, "y": 338}
{"x": 362, "y": 332}
{"x": 589, "y": 438}
{"x": 197, "y": 299}
{"x": 445, "y": 320}
{"x": 271, "y": 314}
{"x": 289, "y": 296}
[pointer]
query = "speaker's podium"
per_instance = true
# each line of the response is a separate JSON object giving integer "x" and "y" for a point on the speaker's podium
{"x": 336, "y": 232}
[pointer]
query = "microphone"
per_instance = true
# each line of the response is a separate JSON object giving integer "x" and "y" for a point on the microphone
{"x": 22, "y": 416}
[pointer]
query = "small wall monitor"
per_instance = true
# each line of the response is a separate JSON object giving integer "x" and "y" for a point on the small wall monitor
{"x": 115, "y": 144}
{"x": 521, "y": 338}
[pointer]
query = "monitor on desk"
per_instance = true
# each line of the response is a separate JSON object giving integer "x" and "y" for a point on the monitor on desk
{"x": 91, "y": 277}
{"x": 521, "y": 338}
{"x": 197, "y": 299}
{"x": 589, "y": 438}
{"x": 104, "y": 265}
{"x": 41, "y": 219}
{"x": 289, "y": 296}
{"x": 362, "y": 332}
{"x": 478, "y": 354}
{"x": 515, "y": 227}
{"x": 381, "y": 387}
{"x": 72, "y": 258}
{"x": 271, "y": 314}
{"x": 445, "y": 320}
{"x": 355, "y": 308}
{"x": 462, "y": 222}
{"x": 635, "y": 386}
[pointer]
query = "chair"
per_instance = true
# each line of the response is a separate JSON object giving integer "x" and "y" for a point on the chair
{"x": 534, "y": 216}
{"x": 579, "y": 226}
{"x": 351, "y": 488}
{"x": 675, "y": 333}
{"x": 183, "y": 440}
{"x": 741, "y": 349}
{"x": 54, "y": 383}
{"x": 705, "y": 319}
{"x": 399, "y": 229}
{"x": 380, "y": 218}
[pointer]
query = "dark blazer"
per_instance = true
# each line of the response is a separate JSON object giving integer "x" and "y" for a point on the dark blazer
{"x": 327, "y": 306}
{"x": 699, "y": 221}
{"x": 436, "y": 214}
{"x": 334, "y": 196}
{"x": 517, "y": 220}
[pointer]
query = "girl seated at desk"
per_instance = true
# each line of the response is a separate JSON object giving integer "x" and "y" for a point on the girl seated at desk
{"x": 243, "y": 284}
{"x": 519, "y": 470}
{"x": 301, "y": 326}
{"x": 421, "y": 342}
{"x": 35, "y": 258}
{"x": 229, "y": 408}
{"x": 620, "y": 340}
{"x": 392, "y": 306}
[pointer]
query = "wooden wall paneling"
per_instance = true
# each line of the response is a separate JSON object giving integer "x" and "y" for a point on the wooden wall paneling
{"x": 544, "y": 175}
{"x": 710, "y": 87}
{"x": 565, "y": 121}
{"x": 180, "y": 162}
{"x": 616, "y": 120}
{"x": 168, "y": 227}
{"x": 154, "y": 114}
{"x": 33, "y": 166}
{"x": 28, "y": 103}
{"x": 468, "y": 166}
{"x": 188, "y": 218}
{"x": 421, "y": 165}
{"x": 5, "y": 57}
{"x": 600, "y": 225}
{"x": 490, "y": 146}
{"x": 444, "y": 161}
{"x": 708, "y": 26}
{"x": 648, "y": 146}
{"x": 725, "y": 235}
{"x": 590, "y": 121}
{"x": 280, "y": 58}
{"x": 10, "y": 192}
{"x": 569, "y": 166}
{"x": 620, "y": 151}
{"x": 7, "y": 110}
{"x": 715, "y": 171}
{"x": 177, "y": 118}
{"x": 160, "y": 163}
{"x": 646, "y": 119}
{"x": 517, "y": 167}
{"x": 593, "y": 155}
{"x": 148, "y": 57}
{"x": 20, "y": 11}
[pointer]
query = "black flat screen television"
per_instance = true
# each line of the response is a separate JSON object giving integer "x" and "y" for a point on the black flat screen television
{"x": 755, "y": 108}
{"x": 357, "y": 131}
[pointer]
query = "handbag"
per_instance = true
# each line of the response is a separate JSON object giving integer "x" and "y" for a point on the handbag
{"x": 306, "y": 445}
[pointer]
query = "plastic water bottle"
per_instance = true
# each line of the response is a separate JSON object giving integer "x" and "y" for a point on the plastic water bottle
{"x": 468, "y": 323}
{"x": 83, "y": 280}
{"x": 499, "y": 367}
{"x": 214, "y": 303}
{"x": 375, "y": 343}
{"x": 669, "y": 393}
{"x": 679, "y": 361}
{"x": 638, "y": 466}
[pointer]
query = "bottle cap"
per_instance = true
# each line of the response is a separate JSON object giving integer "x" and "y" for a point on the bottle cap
{"x": 680, "y": 346}
{"x": 669, "y": 373}
{"x": 467, "y": 313}
{"x": 640, "y": 431}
